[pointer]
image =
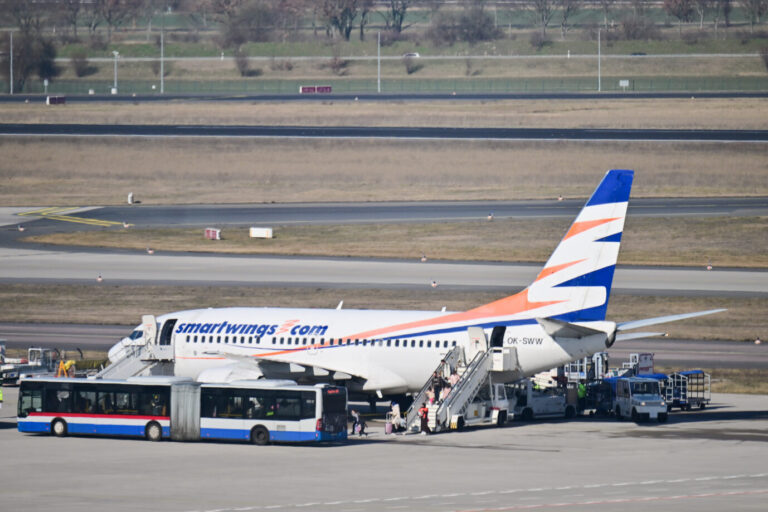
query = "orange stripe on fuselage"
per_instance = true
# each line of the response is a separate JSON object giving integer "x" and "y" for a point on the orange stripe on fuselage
{"x": 551, "y": 270}
{"x": 580, "y": 227}
{"x": 507, "y": 306}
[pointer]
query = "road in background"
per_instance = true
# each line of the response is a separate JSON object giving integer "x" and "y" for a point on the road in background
{"x": 393, "y": 132}
{"x": 223, "y": 215}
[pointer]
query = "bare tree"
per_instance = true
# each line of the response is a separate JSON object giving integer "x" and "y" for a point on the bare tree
{"x": 567, "y": 9}
{"x": 365, "y": 10}
{"x": 702, "y": 7}
{"x": 606, "y": 6}
{"x": 543, "y": 11}
{"x": 680, "y": 9}
{"x": 114, "y": 12}
{"x": 394, "y": 16}
{"x": 70, "y": 10}
{"x": 340, "y": 15}
{"x": 755, "y": 10}
{"x": 29, "y": 17}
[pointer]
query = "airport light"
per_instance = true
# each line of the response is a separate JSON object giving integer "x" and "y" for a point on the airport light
{"x": 599, "y": 59}
{"x": 114, "y": 87}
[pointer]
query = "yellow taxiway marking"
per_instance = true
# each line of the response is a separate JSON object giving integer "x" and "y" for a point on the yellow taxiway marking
{"x": 55, "y": 213}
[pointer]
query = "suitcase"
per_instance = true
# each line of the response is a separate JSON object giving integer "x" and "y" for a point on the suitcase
{"x": 388, "y": 427}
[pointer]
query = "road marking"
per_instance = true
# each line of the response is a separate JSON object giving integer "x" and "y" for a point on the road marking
{"x": 621, "y": 500}
{"x": 55, "y": 213}
{"x": 538, "y": 490}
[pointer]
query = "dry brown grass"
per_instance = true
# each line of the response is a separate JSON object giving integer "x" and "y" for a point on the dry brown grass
{"x": 74, "y": 171}
{"x": 116, "y": 304}
{"x": 736, "y": 113}
{"x": 738, "y": 242}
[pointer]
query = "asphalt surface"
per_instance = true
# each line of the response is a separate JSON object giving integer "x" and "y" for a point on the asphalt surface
{"x": 682, "y": 354}
{"x": 699, "y": 461}
{"x": 366, "y": 132}
{"x": 459, "y": 96}
{"x": 66, "y": 266}
{"x": 223, "y": 215}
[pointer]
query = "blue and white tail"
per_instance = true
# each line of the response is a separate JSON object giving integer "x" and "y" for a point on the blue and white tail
{"x": 576, "y": 280}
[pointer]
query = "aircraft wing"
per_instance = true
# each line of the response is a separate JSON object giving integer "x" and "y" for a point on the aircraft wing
{"x": 624, "y": 326}
{"x": 635, "y": 335}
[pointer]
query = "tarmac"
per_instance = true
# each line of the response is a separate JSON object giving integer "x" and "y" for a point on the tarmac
{"x": 703, "y": 460}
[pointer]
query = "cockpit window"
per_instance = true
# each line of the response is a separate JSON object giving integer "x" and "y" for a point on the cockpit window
{"x": 136, "y": 334}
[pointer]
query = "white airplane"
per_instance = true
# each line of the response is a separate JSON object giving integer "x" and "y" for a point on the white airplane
{"x": 559, "y": 318}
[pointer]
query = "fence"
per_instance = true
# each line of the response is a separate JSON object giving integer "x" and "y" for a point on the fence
{"x": 405, "y": 86}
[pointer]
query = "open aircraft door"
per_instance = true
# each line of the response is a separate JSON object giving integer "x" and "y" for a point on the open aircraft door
{"x": 159, "y": 347}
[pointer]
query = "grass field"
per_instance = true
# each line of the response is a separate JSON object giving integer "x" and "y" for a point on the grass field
{"x": 731, "y": 242}
{"x": 115, "y": 304}
{"x": 65, "y": 171}
{"x": 733, "y": 113}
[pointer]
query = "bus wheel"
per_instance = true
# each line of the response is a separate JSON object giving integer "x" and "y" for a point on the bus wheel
{"x": 59, "y": 427}
{"x": 502, "y": 419}
{"x": 635, "y": 416}
{"x": 153, "y": 432}
{"x": 260, "y": 436}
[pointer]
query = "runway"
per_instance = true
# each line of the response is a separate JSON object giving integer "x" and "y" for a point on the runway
{"x": 222, "y": 215}
{"x": 375, "y": 97}
{"x": 132, "y": 267}
{"x": 366, "y": 132}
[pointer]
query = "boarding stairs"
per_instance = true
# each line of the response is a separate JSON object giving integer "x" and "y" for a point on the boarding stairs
{"x": 484, "y": 360}
{"x": 136, "y": 359}
{"x": 452, "y": 360}
{"x": 472, "y": 378}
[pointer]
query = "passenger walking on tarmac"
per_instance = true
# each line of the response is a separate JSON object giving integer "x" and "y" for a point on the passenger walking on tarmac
{"x": 355, "y": 420}
{"x": 424, "y": 415}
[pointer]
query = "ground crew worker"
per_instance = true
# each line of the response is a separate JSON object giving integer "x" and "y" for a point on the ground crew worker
{"x": 1, "y": 397}
{"x": 581, "y": 391}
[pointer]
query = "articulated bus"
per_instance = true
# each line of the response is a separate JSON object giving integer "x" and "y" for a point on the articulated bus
{"x": 180, "y": 409}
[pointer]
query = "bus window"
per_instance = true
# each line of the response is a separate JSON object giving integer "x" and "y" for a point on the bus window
{"x": 58, "y": 398}
{"x": 31, "y": 399}
{"x": 308, "y": 404}
{"x": 288, "y": 406}
{"x": 85, "y": 401}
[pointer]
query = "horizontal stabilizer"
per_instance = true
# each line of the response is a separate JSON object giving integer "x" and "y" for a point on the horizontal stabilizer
{"x": 635, "y": 335}
{"x": 561, "y": 329}
{"x": 624, "y": 326}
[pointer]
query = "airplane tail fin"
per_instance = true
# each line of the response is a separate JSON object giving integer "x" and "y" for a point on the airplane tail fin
{"x": 575, "y": 283}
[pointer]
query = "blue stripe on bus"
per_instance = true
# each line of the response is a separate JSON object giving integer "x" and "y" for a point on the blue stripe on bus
{"x": 274, "y": 435}
{"x": 91, "y": 428}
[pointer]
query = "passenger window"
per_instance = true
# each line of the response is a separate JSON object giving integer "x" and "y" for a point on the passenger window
{"x": 429, "y": 344}
{"x": 421, "y": 343}
{"x": 389, "y": 343}
{"x": 397, "y": 343}
{"x": 218, "y": 339}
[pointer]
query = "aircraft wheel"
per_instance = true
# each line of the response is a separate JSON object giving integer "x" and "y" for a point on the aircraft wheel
{"x": 260, "y": 435}
{"x": 153, "y": 432}
{"x": 59, "y": 427}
